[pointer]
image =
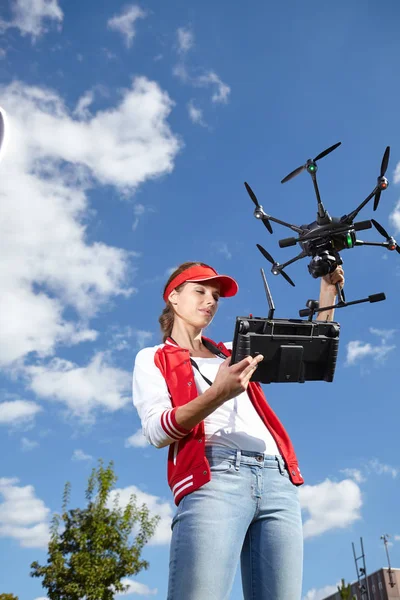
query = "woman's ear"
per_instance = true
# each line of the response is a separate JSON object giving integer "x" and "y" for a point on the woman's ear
{"x": 173, "y": 296}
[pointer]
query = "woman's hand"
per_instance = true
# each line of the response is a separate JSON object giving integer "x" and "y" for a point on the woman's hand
{"x": 328, "y": 292}
{"x": 232, "y": 380}
{"x": 328, "y": 282}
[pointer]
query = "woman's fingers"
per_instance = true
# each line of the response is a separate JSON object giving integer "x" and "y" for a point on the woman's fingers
{"x": 248, "y": 371}
{"x": 337, "y": 276}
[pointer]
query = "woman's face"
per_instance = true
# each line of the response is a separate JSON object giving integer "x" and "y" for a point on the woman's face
{"x": 196, "y": 303}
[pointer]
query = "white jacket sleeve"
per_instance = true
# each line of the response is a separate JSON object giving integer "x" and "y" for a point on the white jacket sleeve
{"x": 152, "y": 400}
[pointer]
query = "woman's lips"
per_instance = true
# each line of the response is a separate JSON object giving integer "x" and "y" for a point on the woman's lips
{"x": 206, "y": 312}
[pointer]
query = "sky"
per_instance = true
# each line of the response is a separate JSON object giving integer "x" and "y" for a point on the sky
{"x": 131, "y": 129}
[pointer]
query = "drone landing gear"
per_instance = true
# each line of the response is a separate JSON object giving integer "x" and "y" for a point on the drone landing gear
{"x": 313, "y": 305}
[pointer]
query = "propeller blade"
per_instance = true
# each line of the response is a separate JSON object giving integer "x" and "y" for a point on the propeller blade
{"x": 286, "y": 276}
{"x": 398, "y": 248}
{"x": 265, "y": 254}
{"x": 267, "y": 224}
{"x": 377, "y": 198}
{"x": 251, "y": 194}
{"x": 385, "y": 161}
{"x": 293, "y": 174}
{"x": 271, "y": 260}
{"x": 327, "y": 151}
{"x": 381, "y": 230}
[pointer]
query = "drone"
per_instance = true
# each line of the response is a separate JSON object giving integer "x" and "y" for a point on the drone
{"x": 323, "y": 239}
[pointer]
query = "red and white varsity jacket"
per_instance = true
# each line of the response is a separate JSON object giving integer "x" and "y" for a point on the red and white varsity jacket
{"x": 188, "y": 467}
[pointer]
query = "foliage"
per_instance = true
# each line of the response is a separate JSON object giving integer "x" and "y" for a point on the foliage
{"x": 93, "y": 553}
{"x": 8, "y": 597}
{"x": 345, "y": 591}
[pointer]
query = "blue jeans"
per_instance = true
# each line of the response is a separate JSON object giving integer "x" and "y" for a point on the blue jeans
{"x": 250, "y": 510}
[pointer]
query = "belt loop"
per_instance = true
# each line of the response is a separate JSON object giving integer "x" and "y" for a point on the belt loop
{"x": 281, "y": 464}
{"x": 237, "y": 461}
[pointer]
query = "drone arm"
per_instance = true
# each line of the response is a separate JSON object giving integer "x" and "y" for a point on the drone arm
{"x": 292, "y": 260}
{"x": 361, "y": 243}
{"x": 293, "y": 227}
{"x": 349, "y": 218}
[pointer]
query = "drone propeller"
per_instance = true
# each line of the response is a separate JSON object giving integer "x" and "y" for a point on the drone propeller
{"x": 276, "y": 270}
{"x": 254, "y": 198}
{"x": 310, "y": 162}
{"x": 382, "y": 182}
{"x": 392, "y": 244}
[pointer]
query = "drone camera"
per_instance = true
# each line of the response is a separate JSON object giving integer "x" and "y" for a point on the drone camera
{"x": 322, "y": 264}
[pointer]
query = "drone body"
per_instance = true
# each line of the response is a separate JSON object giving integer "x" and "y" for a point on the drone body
{"x": 323, "y": 239}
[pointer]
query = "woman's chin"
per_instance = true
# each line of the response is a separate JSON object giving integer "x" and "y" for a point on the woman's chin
{"x": 202, "y": 321}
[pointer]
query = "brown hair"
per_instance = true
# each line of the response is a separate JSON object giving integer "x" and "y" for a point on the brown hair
{"x": 167, "y": 316}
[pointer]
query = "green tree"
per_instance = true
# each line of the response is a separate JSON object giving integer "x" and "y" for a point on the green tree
{"x": 345, "y": 591}
{"x": 8, "y": 597}
{"x": 93, "y": 552}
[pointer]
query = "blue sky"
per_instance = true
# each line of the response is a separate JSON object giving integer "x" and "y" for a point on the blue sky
{"x": 132, "y": 128}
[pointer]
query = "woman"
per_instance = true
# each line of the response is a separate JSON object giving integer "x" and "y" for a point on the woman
{"x": 231, "y": 466}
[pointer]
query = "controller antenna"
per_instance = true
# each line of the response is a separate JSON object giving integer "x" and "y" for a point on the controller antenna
{"x": 269, "y": 296}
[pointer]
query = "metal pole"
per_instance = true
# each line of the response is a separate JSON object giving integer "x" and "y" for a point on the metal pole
{"x": 385, "y": 537}
{"x": 365, "y": 569}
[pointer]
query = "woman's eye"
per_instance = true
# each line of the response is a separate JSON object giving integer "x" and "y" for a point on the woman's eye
{"x": 200, "y": 291}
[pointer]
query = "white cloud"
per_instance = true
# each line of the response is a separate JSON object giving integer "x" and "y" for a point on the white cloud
{"x": 137, "y": 440}
{"x": 397, "y": 538}
{"x": 23, "y": 516}
{"x": 208, "y": 79}
{"x": 30, "y": 16}
{"x": 155, "y": 505}
{"x": 28, "y": 445}
{"x": 321, "y": 593}
{"x": 355, "y": 474}
{"x": 18, "y": 412}
{"x": 181, "y": 72}
{"x": 120, "y": 339}
{"x": 384, "y": 334}
{"x": 81, "y": 110}
{"x": 222, "y": 248}
{"x": 185, "y": 40}
{"x": 222, "y": 90}
{"x": 330, "y": 505}
{"x": 142, "y": 337}
{"x": 80, "y": 455}
{"x": 125, "y": 22}
{"x": 46, "y": 263}
{"x": 82, "y": 389}
{"x": 357, "y": 350}
{"x": 195, "y": 114}
{"x": 134, "y": 587}
{"x": 394, "y": 216}
{"x": 139, "y": 210}
{"x": 379, "y": 468}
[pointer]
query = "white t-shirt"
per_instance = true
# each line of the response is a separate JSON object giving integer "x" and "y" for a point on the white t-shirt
{"x": 236, "y": 422}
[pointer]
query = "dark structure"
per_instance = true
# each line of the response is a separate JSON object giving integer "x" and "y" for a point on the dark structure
{"x": 383, "y": 584}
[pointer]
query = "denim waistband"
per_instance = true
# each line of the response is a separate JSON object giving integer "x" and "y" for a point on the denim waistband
{"x": 247, "y": 457}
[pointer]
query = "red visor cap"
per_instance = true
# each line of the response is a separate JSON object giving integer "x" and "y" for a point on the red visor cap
{"x": 228, "y": 286}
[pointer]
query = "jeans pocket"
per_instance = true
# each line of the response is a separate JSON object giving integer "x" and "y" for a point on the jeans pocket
{"x": 220, "y": 465}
